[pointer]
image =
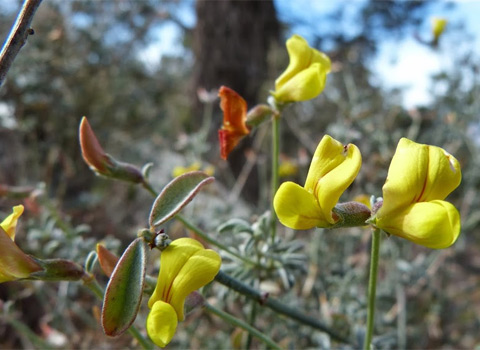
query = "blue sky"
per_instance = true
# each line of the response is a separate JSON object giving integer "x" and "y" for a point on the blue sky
{"x": 410, "y": 64}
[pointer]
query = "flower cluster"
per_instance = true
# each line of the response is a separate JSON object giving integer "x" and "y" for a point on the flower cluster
{"x": 420, "y": 177}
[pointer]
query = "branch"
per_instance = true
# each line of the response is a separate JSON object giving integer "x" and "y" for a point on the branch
{"x": 276, "y": 305}
{"x": 18, "y": 36}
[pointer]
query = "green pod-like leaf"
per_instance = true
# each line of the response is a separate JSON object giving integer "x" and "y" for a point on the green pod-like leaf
{"x": 124, "y": 290}
{"x": 176, "y": 195}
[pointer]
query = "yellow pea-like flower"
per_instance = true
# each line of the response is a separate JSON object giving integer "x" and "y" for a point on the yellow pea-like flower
{"x": 333, "y": 168}
{"x": 420, "y": 177}
{"x": 305, "y": 75}
{"x": 438, "y": 27}
{"x": 14, "y": 263}
{"x": 185, "y": 266}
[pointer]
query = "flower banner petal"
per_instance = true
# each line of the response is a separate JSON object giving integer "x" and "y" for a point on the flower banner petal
{"x": 333, "y": 168}
{"x": 297, "y": 208}
{"x": 161, "y": 323}
{"x": 406, "y": 176}
{"x": 444, "y": 175}
{"x": 299, "y": 53}
{"x": 334, "y": 183}
{"x": 324, "y": 60}
{"x": 172, "y": 260}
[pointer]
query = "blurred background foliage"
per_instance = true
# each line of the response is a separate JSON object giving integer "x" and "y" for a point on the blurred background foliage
{"x": 145, "y": 74}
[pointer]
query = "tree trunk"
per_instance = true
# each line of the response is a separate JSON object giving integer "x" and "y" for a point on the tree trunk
{"x": 231, "y": 43}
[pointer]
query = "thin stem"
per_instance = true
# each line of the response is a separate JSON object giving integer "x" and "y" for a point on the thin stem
{"x": 239, "y": 323}
{"x": 144, "y": 342}
{"x": 211, "y": 241}
{"x": 275, "y": 166}
{"x": 251, "y": 320}
{"x": 276, "y": 305}
{"x": 372, "y": 287}
{"x": 17, "y": 37}
{"x": 91, "y": 283}
{"x": 146, "y": 185}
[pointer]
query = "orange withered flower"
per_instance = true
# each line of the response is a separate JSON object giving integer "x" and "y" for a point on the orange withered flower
{"x": 234, "y": 127}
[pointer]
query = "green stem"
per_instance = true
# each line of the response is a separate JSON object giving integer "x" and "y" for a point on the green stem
{"x": 275, "y": 305}
{"x": 372, "y": 287}
{"x": 146, "y": 185}
{"x": 239, "y": 323}
{"x": 251, "y": 320}
{"x": 275, "y": 166}
{"x": 211, "y": 241}
{"x": 144, "y": 342}
{"x": 91, "y": 283}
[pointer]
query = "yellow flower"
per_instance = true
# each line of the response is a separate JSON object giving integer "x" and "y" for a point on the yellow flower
{"x": 185, "y": 266}
{"x": 10, "y": 223}
{"x": 180, "y": 170}
{"x": 14, "y": 264}
{"x": 287, "y": 168}
{"x": 333, "y": 168}
{"x": 418, "y": 180}
{"x": 438, "y": 27}
{"x": 305, "y": 75}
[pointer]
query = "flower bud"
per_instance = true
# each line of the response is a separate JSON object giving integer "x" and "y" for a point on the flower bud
{"x": 106, "y": 259}
{"x": 58, "y": 270}
{"x": 258, "y": 114}
{"x": 351, "y": 214}
{"x": 101, "y": 162}
{"x": 92, "y": 151}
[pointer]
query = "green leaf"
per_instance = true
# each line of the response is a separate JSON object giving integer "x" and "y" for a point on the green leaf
{"x": 124, "y": 290}
{"x": 176, "y": 195}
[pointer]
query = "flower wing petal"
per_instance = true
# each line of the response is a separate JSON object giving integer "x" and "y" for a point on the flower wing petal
{"x": 297, "y": 208}
{"x": 199, "y": 270}
{"x": 161, "y": 323}
{"x": 434, "y": 224}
